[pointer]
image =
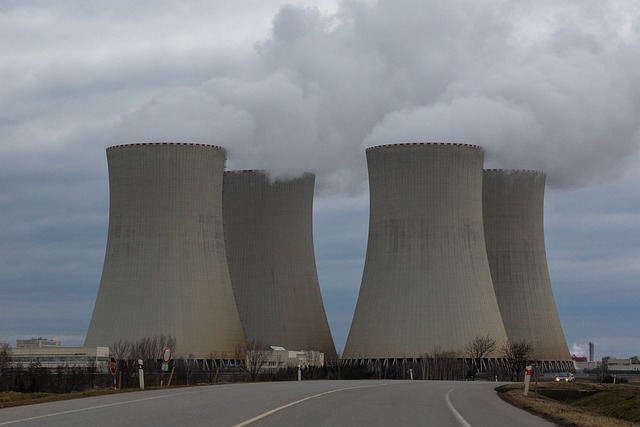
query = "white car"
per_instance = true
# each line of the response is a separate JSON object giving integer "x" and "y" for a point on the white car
{"x": 566, "y": 377}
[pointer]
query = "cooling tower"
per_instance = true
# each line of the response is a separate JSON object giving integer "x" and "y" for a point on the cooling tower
{"x": 513, "y": 203}
{"x": 269, "y": 241}
{"x": 165, "y": 269}
{"x": 426, "y": 281}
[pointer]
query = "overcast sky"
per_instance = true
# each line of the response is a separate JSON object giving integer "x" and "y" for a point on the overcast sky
{"x": 307, "y": 86}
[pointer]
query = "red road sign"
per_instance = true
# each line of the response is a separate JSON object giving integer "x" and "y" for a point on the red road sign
{"x": 166, "y": 355}
{"x": 113, "y": 365}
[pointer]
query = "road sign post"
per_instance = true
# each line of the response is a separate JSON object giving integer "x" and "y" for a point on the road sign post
{"x": 113, "y": 367}
{"x": 166, "y": 357}
{"x": 141, "y": 373}
{"x": 527, "y": 379}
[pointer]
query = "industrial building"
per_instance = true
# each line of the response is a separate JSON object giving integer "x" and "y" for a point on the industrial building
{"x": 165, "y": 269}
{"x": 426, "y": 281}
{"x": 281, "y": 358}
{"x": 513, "y": 205}
{"x": 55, "y": 356}
{"x": 219, "y": 260}
{"x": 38, "y": 343}
{"x": 269, "y": 240}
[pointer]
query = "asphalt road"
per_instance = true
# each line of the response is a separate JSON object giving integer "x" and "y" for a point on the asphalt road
{"x": 307, "y": 403}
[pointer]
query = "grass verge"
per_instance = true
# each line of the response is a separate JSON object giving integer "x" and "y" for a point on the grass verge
{"x": 11, "y": 398}
{"x": 578, "y": 404}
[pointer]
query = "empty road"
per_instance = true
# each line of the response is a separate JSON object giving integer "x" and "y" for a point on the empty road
{"x": 307, "y": 403}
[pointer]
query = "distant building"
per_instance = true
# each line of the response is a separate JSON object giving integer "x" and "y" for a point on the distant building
{"x": 581, "y": 363}
{"x": 38, "y": 343}
{"x": 54, "y": 356}
{"x": 282, "y": 358}
{"x": 613, "y": 364}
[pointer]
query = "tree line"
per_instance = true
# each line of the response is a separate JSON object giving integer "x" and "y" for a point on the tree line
{"x": 438, "y": 364}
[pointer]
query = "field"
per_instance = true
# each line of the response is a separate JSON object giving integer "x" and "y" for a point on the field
{"x": 12, "y": 398}
{"x": 579, "y": 404}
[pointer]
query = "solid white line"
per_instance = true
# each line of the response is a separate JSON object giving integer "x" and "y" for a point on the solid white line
{"x": 454, "y": 412}
{"x": 266, "y": 414}
{"x": 71, "y": 411}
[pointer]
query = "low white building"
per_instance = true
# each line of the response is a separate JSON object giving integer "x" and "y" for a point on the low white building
{"x": 281, "y": 358}
{"x": 620, "y": 365}
{"x": 38, "y": 343}
{"x": 52, "y": 357}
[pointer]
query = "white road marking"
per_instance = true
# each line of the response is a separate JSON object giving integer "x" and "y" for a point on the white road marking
{"x": 71, "y": 411}
{"x": 266, "y": 414}
{"x": 455, "y": 413}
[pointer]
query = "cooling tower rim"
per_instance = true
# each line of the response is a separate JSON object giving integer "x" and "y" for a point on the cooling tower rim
{"x": 403, "y": 144}
{"x": 192, "y": 144}
{"x": 241, "y": 171}
{"x": 529, "y": 171}
{"x": 264, "y": 173}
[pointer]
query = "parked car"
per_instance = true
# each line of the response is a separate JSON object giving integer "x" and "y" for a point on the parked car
{"x": 566, "y": 377}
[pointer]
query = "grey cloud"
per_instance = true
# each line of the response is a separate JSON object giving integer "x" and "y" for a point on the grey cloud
{"x": 546, "y": 85}
{"x": 325, "y": 86}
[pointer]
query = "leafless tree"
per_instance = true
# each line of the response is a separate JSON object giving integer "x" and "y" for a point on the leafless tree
{"x": 336, "y": 367}
{"x": 439, "y": 365}
{"x": 516, "y": 354}
{"x": 121, "y": 349}
{"x": 479, "y": 348}
{"x": 258, "y": 354}
{"x": 5, "y": 359}
{"x": 148, "y": 349}
{"x": 213, "y": 368}
{"x": 190, "y": 368}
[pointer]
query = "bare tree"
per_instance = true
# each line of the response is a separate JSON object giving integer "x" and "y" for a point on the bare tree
{"x": 516, "y": 355}
{"x": 5, "y": 361}
{"x": 121, "y": 349}
{"x": 439, "y": 365}
{"x": 148, "y": 349}
{"x": 190, "y": 367}
{"x": 258, "y": 354}
{"x": 479, "y": 348}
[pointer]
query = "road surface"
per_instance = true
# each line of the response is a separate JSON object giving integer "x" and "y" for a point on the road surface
{"x": 306, "y": 403}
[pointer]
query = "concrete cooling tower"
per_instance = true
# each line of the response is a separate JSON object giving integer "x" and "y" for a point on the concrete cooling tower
{"x": 269, "y": 241}
{"x": 426, "y": 281}
{"x": 513, "y": 203}
{"x": 165, "y": 269}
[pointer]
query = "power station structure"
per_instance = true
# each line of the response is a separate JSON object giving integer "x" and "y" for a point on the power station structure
{"x": 165, "y": 269}
{"x": 513, "y": 205}
{"x": 426, "y": 282}
{"x": 269, "y": 241}
{"x": 218, "y": 260}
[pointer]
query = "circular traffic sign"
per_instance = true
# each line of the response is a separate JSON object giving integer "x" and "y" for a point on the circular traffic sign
{"x": 166, "y": 355}
{"x": 113, "y": 365}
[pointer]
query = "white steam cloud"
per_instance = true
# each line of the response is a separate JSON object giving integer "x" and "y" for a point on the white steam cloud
{"x": 579, "y": 350}
{"x": 547, "y": 86}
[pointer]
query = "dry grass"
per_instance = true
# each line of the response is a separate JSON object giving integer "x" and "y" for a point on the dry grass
{"x": 584, "y": 411}
{"x": 11, "y": 398}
